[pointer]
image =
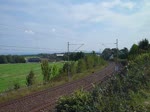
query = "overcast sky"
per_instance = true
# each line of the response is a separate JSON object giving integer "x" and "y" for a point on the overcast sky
{"x": 52, "y": 23}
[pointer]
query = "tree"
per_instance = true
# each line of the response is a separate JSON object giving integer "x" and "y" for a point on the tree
{"x": 79, "y": 55}
{"x": 134, "y": 50}
{"x": 19, "y": 59}
{"x": 89, "y": 61}
{"x": 3, "y": 59}
{"x": 81, "y": 66}
{"x": 65, "y": 67}
{"x": 46, "y": 70}
{"x": 107, "y": 53}
{"x": 144, "y": 44}
{"x": 123, "y": 53}
{"x": 30, "y": 78}
{"x": 9, "y": 59}
{"x": 54, "y": 71}
{"x": 16, "y": 85}
{"x": 73, "y": 67}
{"x": 76, "y": 56}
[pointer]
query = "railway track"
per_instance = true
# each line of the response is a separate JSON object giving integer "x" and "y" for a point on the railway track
{"x": 44, "y": 101}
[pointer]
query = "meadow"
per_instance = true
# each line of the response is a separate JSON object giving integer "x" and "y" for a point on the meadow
{"x": 16, "y": 73}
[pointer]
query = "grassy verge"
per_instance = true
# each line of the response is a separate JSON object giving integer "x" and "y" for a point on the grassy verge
{"x": 39, "y": 87}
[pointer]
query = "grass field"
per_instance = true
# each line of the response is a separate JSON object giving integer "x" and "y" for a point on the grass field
{"x": 16, "y": 73}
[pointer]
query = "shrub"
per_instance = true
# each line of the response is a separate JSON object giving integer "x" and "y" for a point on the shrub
{"x": 78, "y": 102}
{"x": 121, "y": 93}
{"x": 16, "y": 86}
{"x": 30, "y": 78}
{"x": 46, "y": 70}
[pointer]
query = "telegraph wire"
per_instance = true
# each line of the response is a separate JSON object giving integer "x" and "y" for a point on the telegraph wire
{"x": 29, "y": 47}
{"x": 22, "y": 50}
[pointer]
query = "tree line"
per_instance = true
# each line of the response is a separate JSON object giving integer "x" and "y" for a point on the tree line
{"x": 11, "y": 59}
{"x": 142, "y": 47}
{"x": 74, "y": 56}
{"x": 136, "y": 49}
{"x": 85, "y": 62}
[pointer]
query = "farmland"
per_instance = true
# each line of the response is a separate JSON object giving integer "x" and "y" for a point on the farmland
{"x": 16, "y": 73}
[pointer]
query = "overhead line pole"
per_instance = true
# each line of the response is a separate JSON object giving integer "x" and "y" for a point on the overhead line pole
{"x": 68, "y": 61}
{"x": 68, "y": 50}
{"x": 116, "y": 67}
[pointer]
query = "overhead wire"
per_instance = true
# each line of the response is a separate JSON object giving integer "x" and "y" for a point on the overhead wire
{"x": 9, "y": 47}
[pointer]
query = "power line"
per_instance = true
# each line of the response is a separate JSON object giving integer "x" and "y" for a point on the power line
{"x": 68, "y": 46}
{"x": 14, "y": 49}
{"x": 34, "y": 49}
{"x": 13, "y": 26}
{"x": 78, "y": 47}
{"x": 29, "y": 47}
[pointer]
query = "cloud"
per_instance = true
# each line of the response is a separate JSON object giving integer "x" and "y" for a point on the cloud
{"x": 118, "y": 3}
{"x": 79, "y": 21}
{"x": 129, "y": 5}
{"x": 100, "y": 12}
{"x": 53, "y": 30}
{"x": 29, "y": 32}
{"x": 117, "y": 14}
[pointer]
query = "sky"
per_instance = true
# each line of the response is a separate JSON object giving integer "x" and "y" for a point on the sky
{"x": 43, "y": 26}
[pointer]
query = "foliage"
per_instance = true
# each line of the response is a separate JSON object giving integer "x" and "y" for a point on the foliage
{"x": 11, "y": 59}
{"x": 73, "y": 67}
{"x": 144, "y": 44}
{"x": 30, "y": 78}
{"x": 78, "y": 102}
{"x": 110, "y": 54}
{"x": 88, "y": 62}
{"x": 134, "y": 49}
{"x": 106, "y": 53}
{"x": 123, "y": 53}
{"x": 46, "y": 70}
{"x": 81, "y": 66}
{"x": 65, "y": 67}
{"x": 54, "y": 71}
{"x": 142, "y": 47}
{"x": 16, "y": 86}
{"x": 121, "y": 93}
{"x": 74, "y": 56}
{"x": 3, "y": 59}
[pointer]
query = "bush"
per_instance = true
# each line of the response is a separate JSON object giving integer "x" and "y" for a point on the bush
{"x": 78, "y": 102}
{"x": 121, "y": 93}
{"x": 81, "y": 66}
{"x": 30, "y": 78}
{"x": 46, "y": 70}
{"x": 16, "y": 86}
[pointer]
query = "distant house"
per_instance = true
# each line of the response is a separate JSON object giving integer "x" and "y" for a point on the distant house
{"x": 111, "y": 57}
{"x": 34, "y": 60}
{"x": 59, "y": 55}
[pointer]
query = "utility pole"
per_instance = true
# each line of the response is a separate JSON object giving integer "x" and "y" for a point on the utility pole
{"x": 68, "y": 61}
{"x": 116, "y": 67}
{"x": 68, "y": 47}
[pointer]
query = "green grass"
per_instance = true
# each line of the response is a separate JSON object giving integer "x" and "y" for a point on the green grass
{"x": 54, "y": 82}
{"x": 16, "y": 73}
